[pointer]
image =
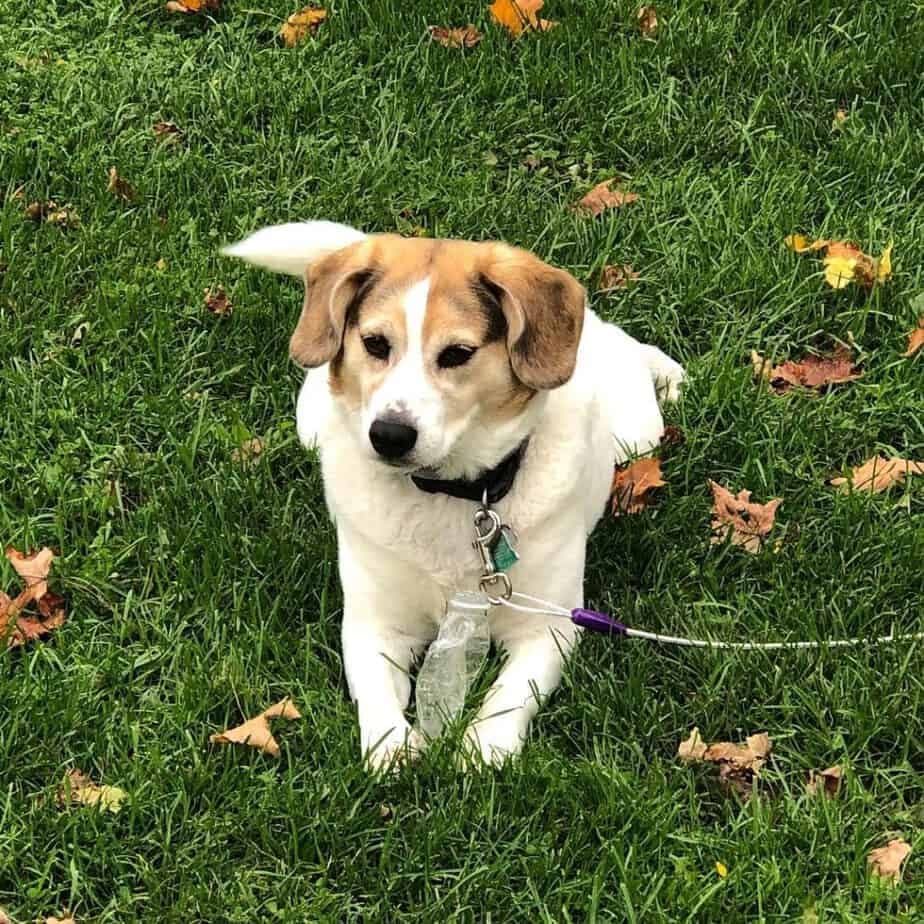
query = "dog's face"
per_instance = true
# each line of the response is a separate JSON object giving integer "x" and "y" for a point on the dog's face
{"x": 437, "y": 347}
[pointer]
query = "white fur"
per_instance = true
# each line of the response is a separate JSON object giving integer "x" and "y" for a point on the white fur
{"x": 402, "y": 552}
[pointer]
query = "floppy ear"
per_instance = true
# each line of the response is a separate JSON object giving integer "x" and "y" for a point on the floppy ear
{"x": 334, "y": 285}
{"x": 544, "y": 309}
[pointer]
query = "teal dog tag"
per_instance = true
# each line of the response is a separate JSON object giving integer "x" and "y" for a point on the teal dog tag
{"x": 503, "y": 553}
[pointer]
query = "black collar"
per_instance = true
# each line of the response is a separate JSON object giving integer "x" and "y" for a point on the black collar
{"x": 495, "y": 483}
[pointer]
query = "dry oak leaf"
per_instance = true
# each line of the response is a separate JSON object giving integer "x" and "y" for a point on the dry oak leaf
{"x": 519, "y": 16}
{"x": 218, "y": 302}
{"x": 256, "y": 731}
{"x": 739, "y": 520}
{"x": 458, "y": 37}
{"x": 120, "y": 187}
{"x": 633, "y": 485}
{"x": 878, "y": 474}
{"x": 248, "y": 452}
{"x": 306, "y": 21}
{"x": 915, "y": 338}
{"x": 809, "y": 372}
{"x": 617, "y": 277}
{"x": 647, "y": 21}
{"x": 193, "y": 6}
{"x": 886, "y": 862}
{"x": 739, "y": 764}
{"x": 77, "y": 788}
{"x": 601, "y": 198}
{"x": 825, "y": 782}
{"x": 32, "y": 568}
{"x": 167, "y": 132}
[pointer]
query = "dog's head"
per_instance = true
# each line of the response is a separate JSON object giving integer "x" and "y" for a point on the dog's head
{"x": 437, "y": 349}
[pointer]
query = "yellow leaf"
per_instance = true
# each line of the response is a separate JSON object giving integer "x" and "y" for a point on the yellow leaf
{"x": 884, "y": 266}
{"x": 256, "y": 732}
{"x": 78, "y": 787}
{"x": 721, "y": 869}
{"x": 839, "y": 271}
{"x": 305, "y": 22}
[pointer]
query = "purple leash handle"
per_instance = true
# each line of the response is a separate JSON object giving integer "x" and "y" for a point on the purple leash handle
{"x": 597, "y": 622}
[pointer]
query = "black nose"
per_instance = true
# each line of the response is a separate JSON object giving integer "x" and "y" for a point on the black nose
{"x": 392, "y": 440}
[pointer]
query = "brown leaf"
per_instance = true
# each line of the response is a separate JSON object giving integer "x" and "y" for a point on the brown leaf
{"x": 77, "y": 788}
{"x": 601, "y": 198}
{"x": 915, "y": 338}
{"x": 811, "y": 371}
{"x": 825, "y": 782}
{"x": 167, "y": 132}
{"x": 193, "y": 6}
{"x": 633, "y": 485}
{"x": 256, "y": 732}
{"x": 738, "y": 519}
{"x": 37, "y": 211}
{"x": 249, "y": 451}
{"x": 519, "y": 16}
{"x": 32, "y": 568}
{"x": 673, "y": 436}
{"x": 886, "y": 862}
{"x": 64, "y": 217}
{"x": 458, "y": 37}
{"x": 878, "y": 474}
{"x": 305, "y": 22}
{"x": 647, "y": 21}
{"x": 53, "y": 920}
{"x": 120, "y": 187}
{"x": 218, "y": 302}
{"x": 617, "y": 277}
{"x": 739, "y": 764}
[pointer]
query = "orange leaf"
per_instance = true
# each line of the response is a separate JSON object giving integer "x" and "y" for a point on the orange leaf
{"x": 601, "y": 197}
{"x": 633, "y": 484}
{"x": 617, "y": 277}
{"x": 878, "y": 474}
{"x": 32, "y": 568}
{"x": 519, "y": 16}
{"x": 886, "y": 862}
{"x": 305, "y": 22}
{"x": 915, "y": 338}
{"x": 256, "y": 732}
{"x": 811, "y": 371}
{"x": 193, "y": 6}
{"x": 459, "y": 37}
{"x": 738, "y": 519}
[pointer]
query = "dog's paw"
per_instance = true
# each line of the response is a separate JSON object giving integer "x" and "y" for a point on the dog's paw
{"x": 388, "y": 752}
{"x": 490, "y": 743}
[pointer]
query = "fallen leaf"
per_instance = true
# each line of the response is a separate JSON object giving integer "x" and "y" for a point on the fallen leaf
{"x": 120, "y": 187}
{"x": 811, "y": 371}
{"x": 519, "y": 16}
{"x": 458, "y": 37}
{"x": 77, "y": 788}
{"x": 721, "y": 869}
{"x": 801, "y": 244}
{"x": 840, "y": 117}
{"x": 739, "y": 764}
{"x": 617, "y": 277}
{"x": 167, "y": 132}
{"x": 886, "y": 862}
{"x": 4, "y": 917}
{"x": 218, "y": 302}
{"x": 64, "y": 217}
{"x": 160, "y": 265}
{"x": 54, "y": 920}
{"x": 915, "y": 338}
{"x": 256, "y": 732}
{"x": 193, "y": 6}
{"x": 737, "y": 519}
{"x": 845, "y": 262}
{"x": 601, "y": 198}
{"x": 633, "y": 485}
{"x": 878, "y": 474}
{"x": 647, "y": 21}
{"x": 248, "y": 452}
{"x": 825, "y": 782}
{"x": 32, "y": 568}
{"x": 306, "y": 21}
{"x": 673, "y": 436}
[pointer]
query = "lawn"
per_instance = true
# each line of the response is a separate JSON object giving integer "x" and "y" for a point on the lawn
{"x": 201, "y": 589}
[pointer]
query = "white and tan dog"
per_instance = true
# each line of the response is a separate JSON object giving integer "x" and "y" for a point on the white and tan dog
{"x": 438, "y": 365}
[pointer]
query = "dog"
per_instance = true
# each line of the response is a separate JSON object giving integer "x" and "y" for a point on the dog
{"x": 442, "y": 374}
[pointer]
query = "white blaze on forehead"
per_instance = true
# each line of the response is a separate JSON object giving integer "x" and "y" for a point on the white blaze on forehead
{"x": 415, "y": 307}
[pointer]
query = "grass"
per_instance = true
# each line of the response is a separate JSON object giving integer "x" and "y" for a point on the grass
{"x": 201, "y": 590}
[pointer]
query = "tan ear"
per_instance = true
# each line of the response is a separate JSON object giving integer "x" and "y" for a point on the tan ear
{"x": 544, "y": 309}
{"x": 333, "y": 286}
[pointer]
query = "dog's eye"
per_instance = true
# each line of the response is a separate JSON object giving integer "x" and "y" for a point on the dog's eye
{"x": 454, "y": 356}
{"x": 377, "y": 346}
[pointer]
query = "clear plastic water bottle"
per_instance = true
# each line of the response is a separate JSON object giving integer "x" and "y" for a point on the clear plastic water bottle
{"x": 452, "y": 662}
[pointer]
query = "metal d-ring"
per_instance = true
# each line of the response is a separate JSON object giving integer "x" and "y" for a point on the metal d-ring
{"x": 494, "y": 578}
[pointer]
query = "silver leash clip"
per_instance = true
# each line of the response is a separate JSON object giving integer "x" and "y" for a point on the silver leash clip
{"x": 494, "y": 584}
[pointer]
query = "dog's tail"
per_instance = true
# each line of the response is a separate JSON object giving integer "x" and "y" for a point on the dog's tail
{"x": 666, "y": 373}
{"x": 292, "y": 247}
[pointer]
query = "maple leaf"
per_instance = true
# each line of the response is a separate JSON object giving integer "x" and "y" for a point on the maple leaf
{"x": 633, "y": 485}
{"x": 218, "y": 302}
{"x": 601, "y": 198}
{"x": 306, "y": 21}
{"x": 739, "y": 764}
{"x": 825, "y": 782}
{"x": 78, "y": 788}
{"x": 647, "y": 21}
{"x": 458, "y": 37}
{"x": 519, "y": 16}
{"x": 256, "y": 732}
{"x": 915, "y": 338}
{"x": 886, "y": 862}
{"x": 811, "y": 371}
{"x": 193, "y": 6}
{"x": 617, "y": 277}
{"x": 167, "y": 132}
{"x": 737, "y": 519}
{"x": 120, "y": 187}
{"x": 878, "y": 474}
